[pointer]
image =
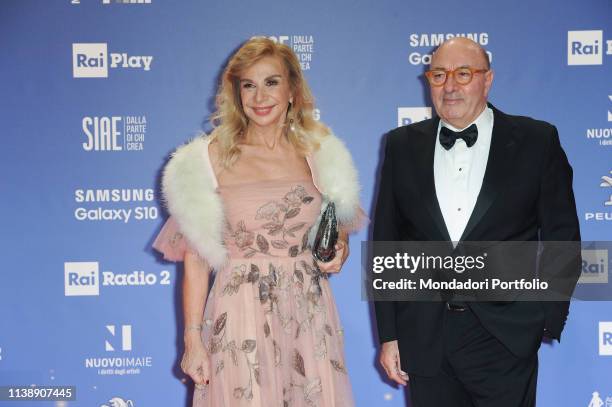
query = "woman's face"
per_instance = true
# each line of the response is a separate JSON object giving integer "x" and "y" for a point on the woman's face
{"x": 265, "y": 93}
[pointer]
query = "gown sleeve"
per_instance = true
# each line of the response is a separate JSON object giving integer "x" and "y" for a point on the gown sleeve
{"x": 359, "y": 221}
{"x": 171, "y": 242}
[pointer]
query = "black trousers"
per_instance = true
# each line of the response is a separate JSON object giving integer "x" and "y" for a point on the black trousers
{"x": 477, "y": 370}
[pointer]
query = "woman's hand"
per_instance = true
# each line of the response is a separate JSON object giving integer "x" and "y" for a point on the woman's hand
{"x": 196, "y": 363}
{"x": 195, "y": 360}
{"x": 342, "y": 252}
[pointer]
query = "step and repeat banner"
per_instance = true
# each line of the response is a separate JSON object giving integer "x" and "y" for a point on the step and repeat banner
{"x": 97, "y": 93}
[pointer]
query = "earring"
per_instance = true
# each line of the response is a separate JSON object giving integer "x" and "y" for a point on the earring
{"x": 291, "y": 125}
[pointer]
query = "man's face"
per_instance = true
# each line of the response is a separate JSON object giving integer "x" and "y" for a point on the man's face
{"x": 457, "y": 104}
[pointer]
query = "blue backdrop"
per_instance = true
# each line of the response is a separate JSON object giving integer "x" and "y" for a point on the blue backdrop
{"x": 97, "y": 93}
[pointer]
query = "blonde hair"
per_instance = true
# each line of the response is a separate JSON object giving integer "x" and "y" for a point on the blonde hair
{"x": 230, "y": 122}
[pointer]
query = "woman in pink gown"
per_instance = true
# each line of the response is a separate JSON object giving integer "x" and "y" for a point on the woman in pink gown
{"x": 245, "y": 204}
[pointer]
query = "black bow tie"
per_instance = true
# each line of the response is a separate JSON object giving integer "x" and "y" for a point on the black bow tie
{"x": 448, "y": 137}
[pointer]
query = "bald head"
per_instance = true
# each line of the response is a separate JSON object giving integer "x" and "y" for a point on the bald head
{"x": 464, "y": 45}
{"x": 459, "y": 104}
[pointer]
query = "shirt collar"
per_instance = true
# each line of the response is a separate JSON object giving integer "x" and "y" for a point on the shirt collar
{"x": 485, "y": 118}
{"x": 484, "y": 122}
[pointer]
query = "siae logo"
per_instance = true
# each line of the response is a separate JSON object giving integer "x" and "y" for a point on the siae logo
{"x": 114, "y": 133}
{"x": 91, "y": 60}
{"x": 102, "y": 133}
{"x": 409, "y": 115}
{"x": 125, "y": 336}
{"x": 586, "y": 47}
{"x": 280, "y": 39}
{"x": 81, "y": 278}
{"x": 302, "y": 45}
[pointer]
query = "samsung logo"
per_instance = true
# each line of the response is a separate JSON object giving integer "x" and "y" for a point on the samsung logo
{"x": 434, "y": 40}
{"x": 114, "y": 195}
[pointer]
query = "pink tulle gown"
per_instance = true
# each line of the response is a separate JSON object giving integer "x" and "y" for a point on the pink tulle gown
{"x": 270, "y": 323}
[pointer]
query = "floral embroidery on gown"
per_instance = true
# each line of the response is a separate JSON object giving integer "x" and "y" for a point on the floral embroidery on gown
{"x": 270, "y": 323}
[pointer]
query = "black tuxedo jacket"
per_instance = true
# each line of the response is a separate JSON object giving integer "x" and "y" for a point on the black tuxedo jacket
{"x": 526, "y": 195}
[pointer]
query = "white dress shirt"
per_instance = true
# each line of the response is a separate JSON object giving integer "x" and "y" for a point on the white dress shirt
{"x": 458, "y": 174}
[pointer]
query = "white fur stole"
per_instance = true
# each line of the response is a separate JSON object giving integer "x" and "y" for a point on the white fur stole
{"x": 189, "y": 190}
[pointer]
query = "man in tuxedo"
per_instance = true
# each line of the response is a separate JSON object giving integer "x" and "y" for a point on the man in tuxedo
{"x": 471, "y": 174}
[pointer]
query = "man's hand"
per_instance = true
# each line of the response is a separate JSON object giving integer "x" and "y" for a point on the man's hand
{"x": 390, "y": 361}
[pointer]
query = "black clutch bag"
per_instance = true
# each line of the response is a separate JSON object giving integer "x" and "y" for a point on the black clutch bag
{"x": 327, "y": 235}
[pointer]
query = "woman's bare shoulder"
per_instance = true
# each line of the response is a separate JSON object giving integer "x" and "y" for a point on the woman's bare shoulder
{"x": 214, "y": 156}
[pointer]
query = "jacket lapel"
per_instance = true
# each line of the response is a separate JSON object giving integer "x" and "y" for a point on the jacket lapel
{"x": 425, "y": 171}
{"x": 504, "y": 142}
